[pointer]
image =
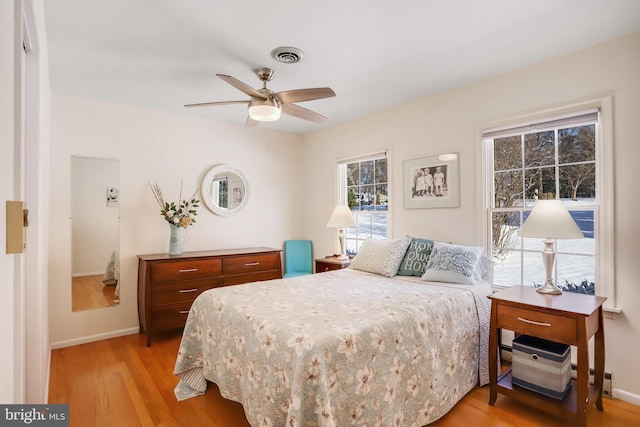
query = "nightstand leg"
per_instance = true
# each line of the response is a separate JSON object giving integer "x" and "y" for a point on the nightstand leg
{"x": 582, "y": 383}
{"x": 493, "y": 355}
{"x": 598, "y": 348}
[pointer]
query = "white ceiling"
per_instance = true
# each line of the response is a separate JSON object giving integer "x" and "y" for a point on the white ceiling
{"x": 161, "y": 54}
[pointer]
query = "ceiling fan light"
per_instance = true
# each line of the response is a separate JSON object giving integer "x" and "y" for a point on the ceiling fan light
{"x": 264, "y": 110}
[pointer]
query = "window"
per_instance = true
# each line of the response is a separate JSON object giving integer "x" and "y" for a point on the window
{"x": 560, "y": 157}
{"x": 364, "y": 186}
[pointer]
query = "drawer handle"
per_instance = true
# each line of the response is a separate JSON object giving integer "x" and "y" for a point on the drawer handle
{"x": 186, "y": 291}
{"x": 251, "y": 264}
{"x": 184, "y": 311}
{"x": 188, "y": 270}
{"x": 533, "y": 323}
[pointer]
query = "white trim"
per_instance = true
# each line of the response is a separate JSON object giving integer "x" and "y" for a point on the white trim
{"x": 99, "y": 273}
{"x": 37, "y": 125}
{"x": 605, "y": 278}
{"x": 626, "y": 396}
{"x": 363, "y": 154}
{"x": 577, "y": 118}
{"x": 93, "y": 338}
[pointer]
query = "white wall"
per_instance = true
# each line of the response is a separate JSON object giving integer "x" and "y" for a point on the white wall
{"x": 451, "y": 121}
{"x": 169, "y": 149}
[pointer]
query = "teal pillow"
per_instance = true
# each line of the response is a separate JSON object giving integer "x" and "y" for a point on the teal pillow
{"x": 416, "y": 258}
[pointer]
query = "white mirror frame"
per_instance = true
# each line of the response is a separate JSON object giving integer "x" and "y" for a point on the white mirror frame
{"x": 208, "y": 182}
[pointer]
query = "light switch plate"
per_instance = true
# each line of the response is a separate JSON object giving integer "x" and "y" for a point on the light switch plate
{"x": 16, "y": 234}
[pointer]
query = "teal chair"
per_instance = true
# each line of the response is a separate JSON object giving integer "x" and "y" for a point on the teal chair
{"x": 298, "y": 258}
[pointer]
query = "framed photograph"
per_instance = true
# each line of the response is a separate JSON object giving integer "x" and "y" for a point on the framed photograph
{"x": 112, "y": 197}
{"x": 432, "y": 182}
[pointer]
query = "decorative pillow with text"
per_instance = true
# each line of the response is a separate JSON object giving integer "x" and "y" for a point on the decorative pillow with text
{"x": 415, "y": 259}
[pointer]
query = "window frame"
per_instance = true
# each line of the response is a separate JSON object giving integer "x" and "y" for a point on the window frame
{"x": 605, "y": 284}
{"x": 342, "y": 188}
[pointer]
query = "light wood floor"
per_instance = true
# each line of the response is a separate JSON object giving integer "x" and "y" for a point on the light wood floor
{"x": 88, "y": 292}
{"x": 120, "y": 382}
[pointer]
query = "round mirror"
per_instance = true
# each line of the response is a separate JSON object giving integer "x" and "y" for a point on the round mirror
{"x": 225, "y": 190}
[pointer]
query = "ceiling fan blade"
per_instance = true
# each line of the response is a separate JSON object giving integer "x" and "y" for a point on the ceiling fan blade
{"x": 241, "y": 86}
{"x": 250, "y": 122}
{"x": 207, "y": 104}
{"x": 300, "y": 95}
{"x": 302, "y": 113}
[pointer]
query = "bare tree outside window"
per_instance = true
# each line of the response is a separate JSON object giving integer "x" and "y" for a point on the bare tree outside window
{"x": 548, "y": 164}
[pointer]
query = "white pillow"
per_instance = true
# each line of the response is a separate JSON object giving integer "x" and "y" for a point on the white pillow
{"x": 381, "y": 256}
{"x": 453, "y": 264}
{"x": 485, "y": 270}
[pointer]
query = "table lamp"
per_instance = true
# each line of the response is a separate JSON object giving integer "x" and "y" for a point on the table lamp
{"x": 341, "y": 218}
{"x": 549, "y": 220}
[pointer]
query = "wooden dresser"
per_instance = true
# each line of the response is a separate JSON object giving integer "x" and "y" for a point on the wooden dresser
{"x": 167, "y": 285}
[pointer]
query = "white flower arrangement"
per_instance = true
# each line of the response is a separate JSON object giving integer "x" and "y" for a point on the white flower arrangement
{"x": 182, "y": 215}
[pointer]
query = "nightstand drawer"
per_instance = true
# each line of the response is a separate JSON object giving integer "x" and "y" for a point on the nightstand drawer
{"x": 538, "y": 323}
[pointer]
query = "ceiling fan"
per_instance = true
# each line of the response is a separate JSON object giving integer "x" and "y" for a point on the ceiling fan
{"x": 266, "y": 105}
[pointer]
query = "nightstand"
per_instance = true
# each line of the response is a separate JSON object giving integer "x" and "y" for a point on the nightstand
{"x": 331, "y": 263}
{"x": 568, "y": 318}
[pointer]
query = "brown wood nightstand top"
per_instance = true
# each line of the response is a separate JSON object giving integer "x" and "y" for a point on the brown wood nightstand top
{"x": 571, "y": 303}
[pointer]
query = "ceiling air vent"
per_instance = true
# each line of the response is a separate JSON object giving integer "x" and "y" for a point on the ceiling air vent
{"x": 287, "y": 55}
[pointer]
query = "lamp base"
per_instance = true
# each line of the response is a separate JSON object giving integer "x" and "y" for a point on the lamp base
{"x": 343, "y": 255}
{"x": 549, "y": 257}
{"x": 549, "y": 289}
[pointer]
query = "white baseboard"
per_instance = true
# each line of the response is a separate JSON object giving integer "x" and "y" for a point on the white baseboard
{"x": 626, "y": 396}
{"x": 92, "y": 338}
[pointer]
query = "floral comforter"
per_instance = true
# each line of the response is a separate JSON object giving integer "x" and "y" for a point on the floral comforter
{"x": 338, "y": 348}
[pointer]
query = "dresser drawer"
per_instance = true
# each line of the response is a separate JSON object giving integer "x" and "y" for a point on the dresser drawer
{"x": 170, "y": 316}
{"x": 185, "y": 270}
{"x": 553, "y": 327}
{"x": 254, "y": 277}
{"x": 181, "y": 291}
{"x": 247, "y": 264}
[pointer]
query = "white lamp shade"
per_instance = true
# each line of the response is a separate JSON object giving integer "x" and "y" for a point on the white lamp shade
{"x": 264, "y": 110}
{"x": 341, "y": 217}
{"x": 550, "y": 219}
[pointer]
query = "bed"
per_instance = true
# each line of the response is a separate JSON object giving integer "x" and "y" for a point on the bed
{"x": 346, "y": 347}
